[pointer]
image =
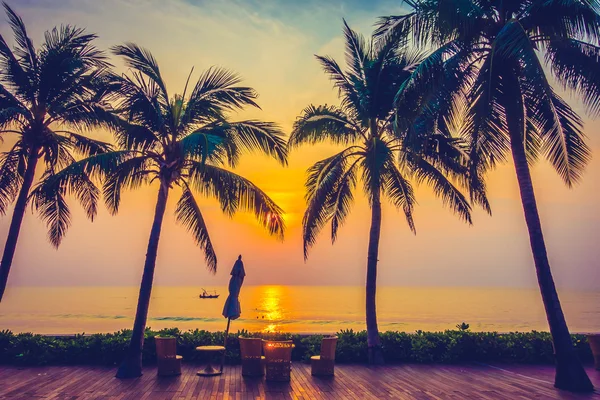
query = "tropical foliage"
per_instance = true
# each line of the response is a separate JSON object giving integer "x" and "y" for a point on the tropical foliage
{"x": 489, "y": 62}
{"x": 184, "y": 141}
{"x": 48, "y": 97}
{"x": 453, "y": 346}
{"x": 381, "y": 151}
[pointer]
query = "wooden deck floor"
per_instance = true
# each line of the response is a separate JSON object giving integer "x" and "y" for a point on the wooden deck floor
{"x": 351, "y": 382}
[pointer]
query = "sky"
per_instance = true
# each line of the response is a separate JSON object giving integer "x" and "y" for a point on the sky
{"x": 272, "y": 44}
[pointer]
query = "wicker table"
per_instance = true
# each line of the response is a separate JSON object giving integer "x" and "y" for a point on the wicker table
{"x": 210, "y": 350}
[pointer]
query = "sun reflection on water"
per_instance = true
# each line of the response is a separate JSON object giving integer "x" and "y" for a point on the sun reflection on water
{"x": 271, "y": 307}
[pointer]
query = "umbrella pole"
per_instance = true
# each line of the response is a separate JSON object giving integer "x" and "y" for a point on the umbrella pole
{"x": 225, "y": 343}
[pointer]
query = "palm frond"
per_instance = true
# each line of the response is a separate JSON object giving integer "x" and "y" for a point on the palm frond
{"x": 50, "y": 202}
{"x": 236, "y": 193}
{"x": 57, "y": 155}
{"x": 143, "y": 61}
{"x": 564, "y": 144}
{"x": 12, "y": 110}
{"x": 322, "y": 185}
{"x": 376, "y": 155}
{"x": 85, "y": 146}
{"x": 69, "y": 64}
{"x": 563, "y": 18}
{"x": 54, "y": 211}
{"x": 49, "y": 195}
{"x": 140, "y": 102}
{"x": 485, "y": 124}
{"x": 346, "y": 89}
{"x": 432, "y": 91}
{"x": 434, "y": 22}
{"x": 132, "y": 136}
{"x": 446, "y": 153}
{"x": 342, "y": 199}
{"x": 393, "y": 27}
{"x": 254, "y": 135}
{"x": 96, "y": 167}
{"x": 216, "y": 92}
{"x": 442, "y": 187}
{"x": 463, "y": 19}
{"x": 575, "y": 65}
{"x": 357, "y": 52}
{"x": 128, "y": 174}
{"x": 319, "y": 123}
{"x": 400, "y": 192}
{"x": 557, "y": 123}
{"x": 208, "y": 143}
{"x": 10, "y": 178}
{"x": 386, "y": 75}
{"x": 25, "y": 49}
{"x": 83, "y": 103}
{"x": 20, "y": 81}
{"x": 189, "y": 215}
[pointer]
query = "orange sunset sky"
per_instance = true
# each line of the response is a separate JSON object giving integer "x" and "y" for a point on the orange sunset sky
{"x": 271, "y": 44}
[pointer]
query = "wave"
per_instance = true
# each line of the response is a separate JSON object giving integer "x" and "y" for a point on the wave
{"x": 248, "y": 321}
{"x": 185, "y": 319}
{"x": 90, "y": 316}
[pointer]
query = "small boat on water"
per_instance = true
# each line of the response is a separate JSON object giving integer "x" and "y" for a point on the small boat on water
{"x": 208, "y": 295}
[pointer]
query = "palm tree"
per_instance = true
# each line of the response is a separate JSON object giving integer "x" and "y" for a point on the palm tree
{"x": 377, "y": 150}
{"x": 45, "y": 95}
{"x": 498, "y": 50}
{"x": 184, "y": 141}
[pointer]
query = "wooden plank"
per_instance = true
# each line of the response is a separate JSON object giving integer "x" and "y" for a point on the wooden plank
{"x": 468, "y": 381}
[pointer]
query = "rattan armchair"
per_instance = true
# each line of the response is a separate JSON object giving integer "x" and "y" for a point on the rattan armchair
{"x": 169, "y": 363}
{"x": 253, "y": 362}
{"x": 324, "y": 364}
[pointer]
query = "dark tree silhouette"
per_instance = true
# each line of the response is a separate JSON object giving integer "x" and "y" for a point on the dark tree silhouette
{"x": 46, "y": 95}
{"x": 379, "y": 152}
{"x": 184, "y": 141}
{"x": 494, "y": 54}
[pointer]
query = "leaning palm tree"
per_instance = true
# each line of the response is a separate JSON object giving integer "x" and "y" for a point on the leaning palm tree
{"x": 497, "y": 51}
{"x": 46, "y": 95}
{"x": 384, "y": 156}
{"x": 183, "y": 141}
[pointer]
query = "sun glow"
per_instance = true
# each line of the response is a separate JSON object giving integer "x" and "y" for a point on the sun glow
{"x": 271, "y": 307}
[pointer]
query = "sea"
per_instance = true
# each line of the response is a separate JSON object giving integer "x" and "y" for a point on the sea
{"x": 296, "y": 309}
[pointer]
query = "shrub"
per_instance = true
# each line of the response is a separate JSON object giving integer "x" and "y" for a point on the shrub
{"x": 450, "y": 346}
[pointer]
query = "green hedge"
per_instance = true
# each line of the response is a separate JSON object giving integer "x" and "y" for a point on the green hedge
{"x": 421, "y": 347}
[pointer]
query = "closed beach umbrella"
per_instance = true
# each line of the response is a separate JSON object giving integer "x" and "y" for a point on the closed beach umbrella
{"x": 232, "y": 308}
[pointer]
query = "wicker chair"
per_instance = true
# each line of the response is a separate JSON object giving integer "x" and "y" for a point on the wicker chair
{"x": 278, "y": 357}
{"x": 169, "y": 363}
{"x": 324, "y": 364}
{"x": 253, "y": 362}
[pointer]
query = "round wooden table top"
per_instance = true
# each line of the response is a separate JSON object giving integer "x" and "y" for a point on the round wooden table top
{"x": 210, "y": 348}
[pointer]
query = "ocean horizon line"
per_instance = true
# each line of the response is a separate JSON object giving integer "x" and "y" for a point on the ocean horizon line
{"x": 224, "y": 285}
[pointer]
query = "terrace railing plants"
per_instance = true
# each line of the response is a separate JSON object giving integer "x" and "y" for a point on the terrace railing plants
{"x": 451, "y": 346}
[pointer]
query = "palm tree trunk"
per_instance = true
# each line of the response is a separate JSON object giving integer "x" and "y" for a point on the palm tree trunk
{"x": 373, "y": 341}
{"x": 15, "y": 223}
{"x": 570, "y": 374}
{"x": 131, "y": 366}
